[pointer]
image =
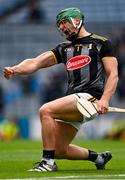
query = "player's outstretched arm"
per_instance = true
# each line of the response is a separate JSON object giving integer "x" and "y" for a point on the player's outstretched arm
{"x": 29, "y": 66}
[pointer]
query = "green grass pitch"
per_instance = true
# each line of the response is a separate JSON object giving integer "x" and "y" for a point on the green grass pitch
{"x": 16, "y": 157}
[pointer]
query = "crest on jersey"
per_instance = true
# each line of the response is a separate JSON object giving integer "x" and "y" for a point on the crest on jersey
{"x": 78, "y": 62}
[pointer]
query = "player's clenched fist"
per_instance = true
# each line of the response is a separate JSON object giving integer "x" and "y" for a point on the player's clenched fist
{"x": 8, "y": 72}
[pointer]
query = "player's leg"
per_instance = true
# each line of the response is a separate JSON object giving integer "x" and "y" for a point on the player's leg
{"x": 65, "y": 133}
{"x": 65, "y": 150}
{"x": 64, "y": 109}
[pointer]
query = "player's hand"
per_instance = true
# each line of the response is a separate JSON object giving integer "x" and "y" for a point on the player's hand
{"x": 8, "y": 72}
{"x": 102, "y": 106}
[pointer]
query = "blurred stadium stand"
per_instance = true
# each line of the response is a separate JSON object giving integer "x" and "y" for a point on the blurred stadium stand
{"x": 22, "y": 38}
{"x": 18, "y": 11}
{"x": 95, "y": 11}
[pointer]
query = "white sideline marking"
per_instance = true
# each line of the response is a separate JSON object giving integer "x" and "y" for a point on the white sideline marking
{"x": 73, "y": 177}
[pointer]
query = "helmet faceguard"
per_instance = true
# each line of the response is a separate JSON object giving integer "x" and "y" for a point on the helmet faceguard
{"x": 68, "y": 15}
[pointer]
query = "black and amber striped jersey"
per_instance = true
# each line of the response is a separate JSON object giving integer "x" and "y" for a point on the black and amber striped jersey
{"x": 83, "y": 61}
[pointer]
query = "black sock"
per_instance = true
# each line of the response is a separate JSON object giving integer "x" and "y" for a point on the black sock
{"x": 48, "y": 154}
{"x": 92, "y": 155}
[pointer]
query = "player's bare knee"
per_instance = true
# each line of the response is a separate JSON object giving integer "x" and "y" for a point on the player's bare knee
{"x": 44, "y": 110}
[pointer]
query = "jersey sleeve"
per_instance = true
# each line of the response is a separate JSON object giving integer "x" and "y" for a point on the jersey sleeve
{"x": 58, "y": 54}
{"x": 107, "y": 49}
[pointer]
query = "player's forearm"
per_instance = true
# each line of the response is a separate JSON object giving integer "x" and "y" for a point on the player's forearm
{"x": 110, "y": 87}
{"x": 25, "y": 67}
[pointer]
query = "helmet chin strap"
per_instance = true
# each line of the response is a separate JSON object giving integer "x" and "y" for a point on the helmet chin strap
{"x": 75, "y": 26}
{"x": 74, "y": 35}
